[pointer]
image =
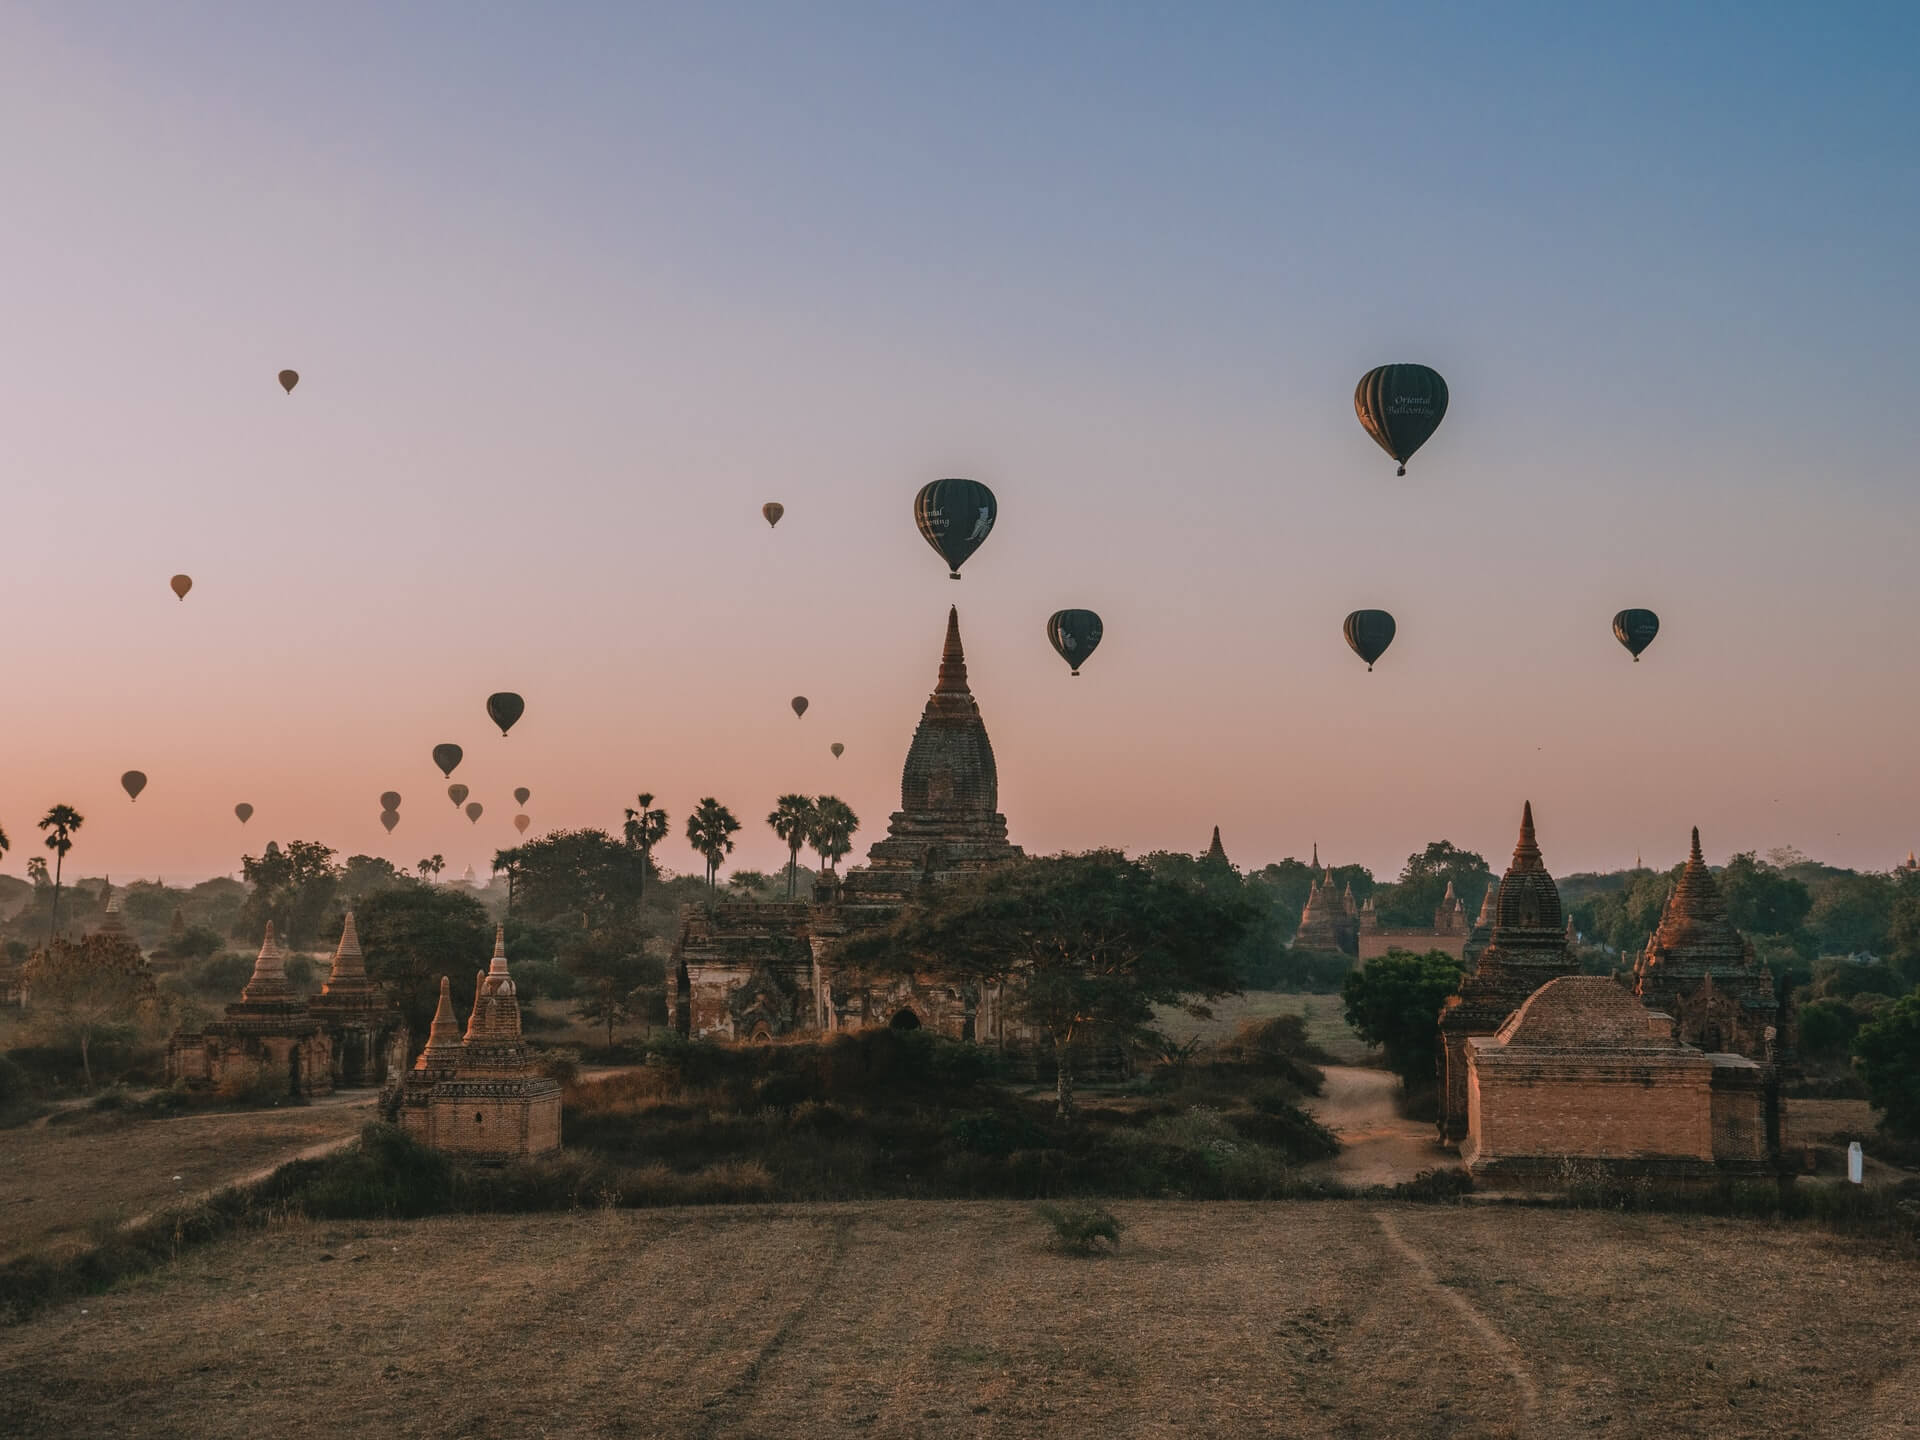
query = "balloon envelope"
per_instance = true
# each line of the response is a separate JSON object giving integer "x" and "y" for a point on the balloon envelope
{"x": 838, "y": 749}
{"x": 133, "y": 782}
{"x": 473, "y": 812}
{"x": 447, "y": 757}
{"x": 458, "y": 794}
{"x": 1074, "y": 634}
{"x": 1401, "y": 406}
{"x": 1369, "y": 632}
{"x": 389, "y": 818}
{"x": 799, "y": 704}
{"x": 289, "y": 379}
{"x": 505, "y": 708}
{"x": 389, "y": 799}
{"x": 181, "y": 584}
{"x": 773, "y": 510}
{"x": 244, "y": 811}
{"x": 522, "y": 795}
{"x": 520, "y": 823}
{"x": 1635, "y": 629}
{"x": 955, "y": 516}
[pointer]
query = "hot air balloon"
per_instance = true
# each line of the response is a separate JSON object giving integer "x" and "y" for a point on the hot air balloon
{"x": 389, "y": 799}
{"x": 1401, "y": 406}
{"x": 773, "y": 510}
{"x": 181, "y": 584}
{"x": 133, "y": 782}
{"x": 389, "y": 818}
{"x": 955, "y": 516}
{"x": 505, "y": 708}
{"x": 799, "y": 704}
{"x": 244, "y": 811}
{"x": 1074, "y": 634}
{"x": 289, "y": 379}
{"x": 458, "y": 794}
{"x": 1369, "y": 632}
{"x": 838, "y": 749}
{"x": 522, "y": 795}
{"x": 520, "y": 823}
{"x": 447, "y": 757}
{"x": 1635, "y": 629}
{"x": 474, "y": 811}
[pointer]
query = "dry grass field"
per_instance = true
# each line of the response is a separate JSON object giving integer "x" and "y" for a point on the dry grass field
{"x": 1325, "y": 1016}
{"x": 909, "y": 1318}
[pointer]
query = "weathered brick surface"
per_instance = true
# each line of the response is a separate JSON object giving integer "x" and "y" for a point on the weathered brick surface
{"x": 267, "y": 1034}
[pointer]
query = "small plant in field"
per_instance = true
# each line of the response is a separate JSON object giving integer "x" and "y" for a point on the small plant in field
{"x": 1082, "y": 1229}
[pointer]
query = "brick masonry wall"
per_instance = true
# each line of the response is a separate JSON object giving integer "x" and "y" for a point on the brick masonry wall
{"x": 1602, "y": 1110}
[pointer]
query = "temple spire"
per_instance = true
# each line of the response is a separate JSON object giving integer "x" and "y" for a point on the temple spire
{"x": 348, "y": 962}
{"x": 1695, "y": 858}
{"x": 498, "y": 966}
{"x": 444, "y": 1034}
{"x": 1216, "y": 851}
{"x": 269, "y": 980}
{"x": 1526, "y": 851}
{"x": 953, "y": 659}
{"x": 1316, "y": 857}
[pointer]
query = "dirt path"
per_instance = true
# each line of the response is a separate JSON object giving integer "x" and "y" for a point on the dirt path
{"x": 1378, "y": 1145}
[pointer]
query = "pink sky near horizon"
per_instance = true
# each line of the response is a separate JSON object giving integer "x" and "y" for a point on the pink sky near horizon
{"x": 554, "y": 359}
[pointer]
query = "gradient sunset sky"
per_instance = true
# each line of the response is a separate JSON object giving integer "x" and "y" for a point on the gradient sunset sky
{"x": 574, "y": 289}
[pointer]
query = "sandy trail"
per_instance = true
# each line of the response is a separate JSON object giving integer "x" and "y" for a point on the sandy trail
{"x": 1378, "y": 1145}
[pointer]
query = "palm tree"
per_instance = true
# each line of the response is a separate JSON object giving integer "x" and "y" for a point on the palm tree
{"x": 60, "y": 822}
{"x": 431, "y": 867}
{"x": 710, "y": 831}
{"x": 793, "y": 820}
{"x": 646, "y": 828}
{"x": 507, "y": 862}
{"x": 5, "y": 843}
{"x": 832, "y": 833}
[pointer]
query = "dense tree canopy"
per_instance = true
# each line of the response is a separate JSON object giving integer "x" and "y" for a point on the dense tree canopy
{"x": 414, "y": 934}
{"x": 89, "y": 989}
{"x": 1887, "y": 1050}
{"x": 1416, "y": 895}
{"x": 1394, "y": 1002}
{"x": 295, "y": 888}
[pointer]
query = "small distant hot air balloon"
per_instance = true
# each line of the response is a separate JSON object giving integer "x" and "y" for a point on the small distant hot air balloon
{"x": 773, "y": 510}
{"x": 799, "y": 705}
{"x": 474, "y": 812}
{"x": 447, "y": 757}
{"x": 133, "y": 782}
{"x": 389, "y": 799}
{"x": 181, "y": 584}
{"x": 1074, "y": 634}
{"x": 289, "y": 379}
{"x": 244, "y": 811}
{"x": 955, "y": 516}
{"x": 520, "y": 823}
{"x": 1369, "y": 632}
{"x": 389, "y": 818}
{"x": 522, "y": 795}
{"x": 1635, "y": 629}
{"x": 458, "y": 794}
{"x": 505, "y": 708}
{"x": 1401, "y": 406}
{"x": 838, "y": 749}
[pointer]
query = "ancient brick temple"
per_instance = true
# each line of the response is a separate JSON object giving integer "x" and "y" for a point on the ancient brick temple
{"x": 1526, "y": 947}
{"x": 1330, "y": 920}
{"x": 1701, "y": 971}
{"x": 269, "y": 1033}
{"x": 480, "y": 1095}
{"x": 1450, "y": 930}
{"x": 1584, "y": 1083}
{"x": 756, "y": 972}
{"x": 369, "y": 1039}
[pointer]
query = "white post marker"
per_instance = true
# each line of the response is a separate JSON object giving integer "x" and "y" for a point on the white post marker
{"x": 1856, "y": 1163}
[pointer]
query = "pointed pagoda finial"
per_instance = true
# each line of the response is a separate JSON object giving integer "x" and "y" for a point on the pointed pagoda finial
{"x": 499, "y": 963}
{"x": 953, "y": 659}
{"x": 444, "y": 1033}
{"x": 1695, "y": 857}
{"x": 473, "y": 1019}
{"x": 1447, "y": 899}
{"x": 1526, "y": 851}
{"x": 349, "y": 965}
{"x": 1486, "y": 904}
{"x": 1216, "y": 851}
{"x": 269, "y": 979}
{"x": 1316, "y": 856}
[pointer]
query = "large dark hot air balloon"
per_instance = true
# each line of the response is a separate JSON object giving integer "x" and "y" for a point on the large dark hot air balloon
{"x": 447, "y": 757}
{"x": 180, "y": 584}
{"x": 838, "y": 749}
{"x": 955, "y": 516}
{"x": 289, "y": 379}
{"x": 773, "y": 510}
{"x": 133, "y": 782}
{"x": 1075, "y": 634}
{"x": 1401, "y": 406}
{"x": 521, "y": 822}
{"x": 505, "y": 708}
{"x": 389, "y": 799}
{"x": 1635, "y": 629}
{"x": 522, "y": 795}
{"x": 389, "y": 818}
{"x": 799, "y": 704}
{"x": 458, "y": 794}
{"x": 244, "y": 811}
{"x": 474, "y": 811}
{"x": 1369, "y": 632}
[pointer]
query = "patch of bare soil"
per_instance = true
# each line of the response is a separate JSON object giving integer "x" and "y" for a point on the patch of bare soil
{"x": 1378, "y": 1146}
{"x": 926, "y": 1319}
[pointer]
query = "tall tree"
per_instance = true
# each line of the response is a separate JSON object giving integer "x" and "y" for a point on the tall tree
{"x": 431, "y": 867}
{"x": 1394, "y": 1002}
{"x": 414, "y": 934}
{"x": 710, "y": 831}
{"x": 88, "y": 989}
{"x": 833, "y": 830}
{"x": 794, "y": 820}
{"x": 294, "y": 888}
{"x": 609, "y": 969}
{"x": 1416, "y": 895}
{"x": 579, "y": 880}
{"x": 1887, "y": 1054}
{"x": 646, "y": 828}
{"x": 60, "y": 823}
{"x": 508, "y": 863}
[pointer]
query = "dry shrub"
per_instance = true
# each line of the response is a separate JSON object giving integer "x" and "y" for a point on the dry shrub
{"x": 1081, "y": 1229}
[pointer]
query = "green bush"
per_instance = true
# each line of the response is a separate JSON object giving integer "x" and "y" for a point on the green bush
{"x": 1082, "y": 1229}
{"x": 1887, "y": 1052}
{"x": 1827, "y": 1026}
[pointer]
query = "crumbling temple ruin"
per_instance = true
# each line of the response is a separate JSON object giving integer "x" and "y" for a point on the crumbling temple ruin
{"x": 268, "y": 1035}
{"x": 369, "y": 1039}
{"x": 480, "y": 1095}
{"x": 1526, "y": 947}
{"x": 1450, "y": 931}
